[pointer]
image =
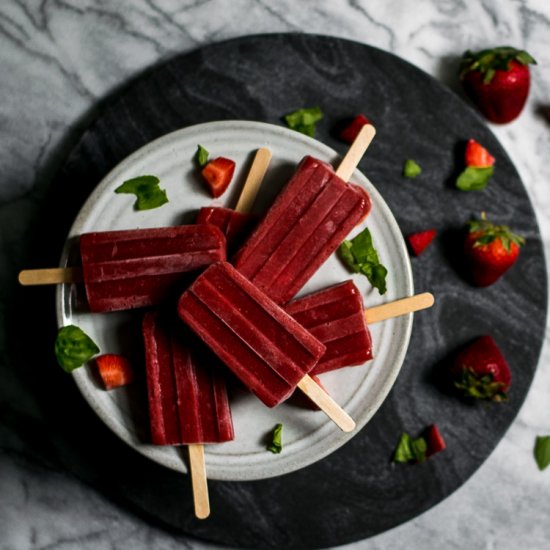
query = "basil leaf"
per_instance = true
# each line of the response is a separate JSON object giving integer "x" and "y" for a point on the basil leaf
{"x": 147, "y": 191}
{"x": 403, "y": 452}
{"x": 542, "y": 451}
{"x": 201, "y": 156}
{"x": 73, "y": 347}
{"x": 409, "y": 449}
{"x": 276, "y": 445}
{"x": 474, "y": 179}
{"x": 304, "y": 120}
{"x": 361, "y": 257}
{"x": 411, "y": 169}
{"x": 419, "y": 448}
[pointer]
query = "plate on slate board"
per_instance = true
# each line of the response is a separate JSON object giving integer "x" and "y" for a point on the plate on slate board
{"x": 355, "y": 492}
{"x": 307, "y": 435}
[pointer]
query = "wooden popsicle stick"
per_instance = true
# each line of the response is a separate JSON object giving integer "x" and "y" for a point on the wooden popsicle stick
{"x": 50, "y": 276}
{"x": 356, "y": 151}
{"x": 198, "y": 480}
{"x": 325, "y": 402}
{"x": 399, "y": 307}
{"x": 253, "y": 180}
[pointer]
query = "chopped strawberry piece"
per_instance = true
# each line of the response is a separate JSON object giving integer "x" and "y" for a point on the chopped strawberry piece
{"x": 114, "y": 370}
{"x": 218, "y": 173}
{"x": 349, "y": 133}
{"x": 434, "y": 440}
{"x": 419, "y": 241}
{"x": 477, "y": 156}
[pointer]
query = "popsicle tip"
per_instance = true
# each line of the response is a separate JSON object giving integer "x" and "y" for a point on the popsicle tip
{"x": 429, "y": 299}
{"x": 202, "y": 513}
{"x": 347, "y": 424}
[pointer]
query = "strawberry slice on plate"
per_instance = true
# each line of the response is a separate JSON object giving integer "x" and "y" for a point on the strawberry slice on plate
{"x": 218, "y": 174}
{"x": 114, "y": 370}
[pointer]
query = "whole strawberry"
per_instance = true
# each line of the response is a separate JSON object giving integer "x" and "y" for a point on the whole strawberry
{"x": 497, "y": 81}
{"x": 490, "y": 250}
{"x": 481, "y": 371}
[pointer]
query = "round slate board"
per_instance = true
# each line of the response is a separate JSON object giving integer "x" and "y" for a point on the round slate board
{"x": 356, "y": 492}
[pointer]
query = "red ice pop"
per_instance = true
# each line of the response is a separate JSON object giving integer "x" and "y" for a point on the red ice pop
{"x": 304, "y": 226}
{"x": 336, "y": 317}
{"x": 138, "y": 267}
{"x": 265, "y": 347}
{"x": 188, "y": 402}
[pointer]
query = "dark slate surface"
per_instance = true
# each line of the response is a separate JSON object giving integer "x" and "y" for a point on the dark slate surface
{"x": 356, "y": 492}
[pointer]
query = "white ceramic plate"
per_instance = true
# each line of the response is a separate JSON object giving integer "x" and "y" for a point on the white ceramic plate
{"x": 307, "y": 435}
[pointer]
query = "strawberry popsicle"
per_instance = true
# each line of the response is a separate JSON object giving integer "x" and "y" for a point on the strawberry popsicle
{"x": 307, "y": 222}
{"x": 336, "y": 317}
{"x": 234, "y": 225}
{"x": 187, "y": 398}
{"x": 265, "y": 347}
{"x": 142, "y": 267}
{"x": 188, "y": 402}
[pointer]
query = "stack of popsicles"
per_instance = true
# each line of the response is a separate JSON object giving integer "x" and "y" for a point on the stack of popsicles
{"x": 241, "y": 311}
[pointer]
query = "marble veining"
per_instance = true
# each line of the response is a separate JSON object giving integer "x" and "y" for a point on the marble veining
{"x": 61, "y": 60}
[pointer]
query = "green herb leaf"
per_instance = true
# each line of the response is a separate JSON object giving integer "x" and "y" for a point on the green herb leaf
{"x": 304, "y": 120}
{"x": 276, "y": 445}
{"x": 361, "y": 257}
{"x": 73, "y": 347}
{"x": 409, "y": 449}
{"x": 201, "y": 156}
{"x": 403, "y": 452}
{"x": 411, "y": 169}
{"x": 542, "y": 451}
{"x": 146, "y": 189}
{"x": 474, "y": 179}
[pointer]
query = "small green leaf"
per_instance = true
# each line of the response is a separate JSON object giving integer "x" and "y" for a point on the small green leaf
{"x": 542, "y": 451}
{"x": 276, "y": 445}
{"x": 73, "y": 347}
{"x": 410, "y": 450}
{"x": 419, "y": 448}
{"x": 146, "y": 189}
{"x": 411, "y": 169}
{"x": 474, "y": 179}
{"x": 360, "y": 256}
{"x": 304, "y": 120}
{"x": 403, "y": 452}
{"x": 201, "y": 156}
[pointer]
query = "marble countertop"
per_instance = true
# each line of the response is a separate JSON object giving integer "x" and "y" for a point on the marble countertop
{"x": 60, "y": 59}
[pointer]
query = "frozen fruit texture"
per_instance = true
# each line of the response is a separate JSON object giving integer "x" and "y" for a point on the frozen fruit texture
{"x": 143, "y": 267}
{"x": 187, "y": 394}
{"x": 336, "y": 316}
{"x": 264, "y": 346}
{"x": 307, "y": 222}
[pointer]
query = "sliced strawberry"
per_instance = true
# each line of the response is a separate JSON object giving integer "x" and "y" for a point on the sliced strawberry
{"x": 419, "y": 241}
{"x": 218, "y": 173}
{"x": 477, "y": 156}
{"x": 481, "y": 371}
{"x": 434, "y": 440}
{"x": 114, "y": 370}
{"x": 349, "y": 133}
